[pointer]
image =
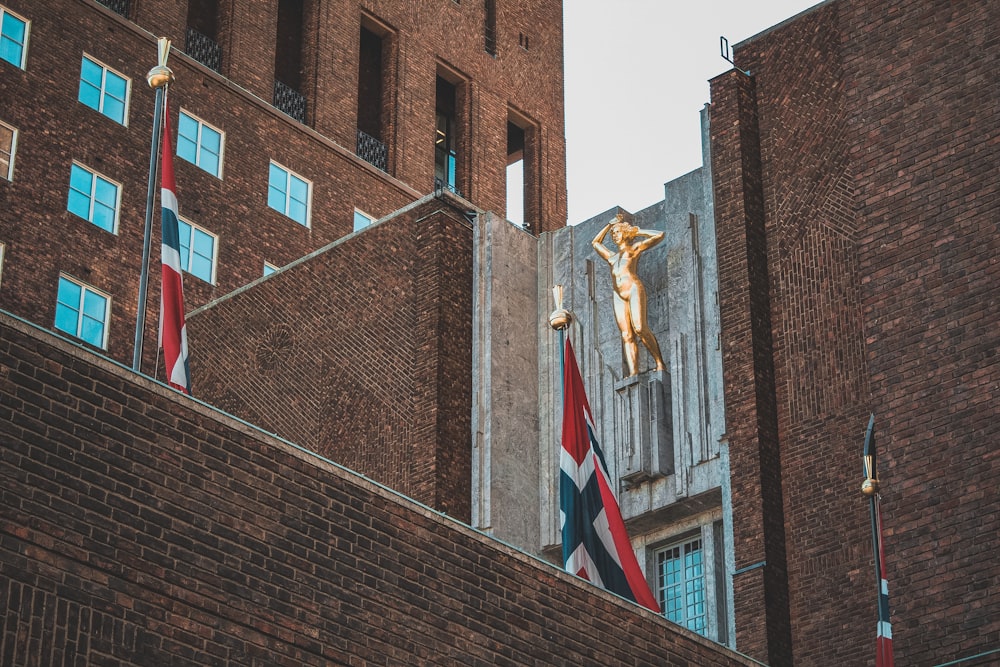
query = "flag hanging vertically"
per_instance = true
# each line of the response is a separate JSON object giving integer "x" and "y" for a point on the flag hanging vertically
{"x": 595, "y": 543}
{"x": 883, "y": 637}
{"x": 173, "y": 332}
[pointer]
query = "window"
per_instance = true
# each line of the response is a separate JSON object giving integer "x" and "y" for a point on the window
{"x": 13, "y": 38}
{"x": 104, "y": 90}
{"x": 82, "y": 311}
{"x": 197, "y": 250}
{"x": 93, "y": 198}
{"x": 3, "y": 248}
{"x": 445, "y": 144}
{"x": 288, "y": 193}
{"x": 8, "y": 146}
{"x": 362, "y": 220}
{"x": 199, "y": 143}
{"x": 269, "y": 269}
{"x": 680, "y": 584}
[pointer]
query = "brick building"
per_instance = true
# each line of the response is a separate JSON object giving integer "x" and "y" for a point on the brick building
{"x": 298, "y": 122}
{"x": 834, "y": 256}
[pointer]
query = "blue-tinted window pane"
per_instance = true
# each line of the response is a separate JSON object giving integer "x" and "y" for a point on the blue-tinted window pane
{"x": 268, "y": 269}
{"x": 209, "y": 162}
{"x": 297, "y": 212}
{"x": 203, "y": 255}
{"x": 12, "y": 37}
{"x": 91, "y": 79}
{"x": 115, "y": 86}
{"x": 211, "y": 140}
{"x": 80, "y": 185}
{"x": 187, "y": 137}
{"x": 277, "y": 183}
{"x": 104, "y": 217}
{"x": 184, "y": 231}
{"x": 92, "y": 331}
{"x": 106, "y": 192}
{"x": 68, "y": 306}
{"x": 276, "y": 199}
{"x": 94, "y": 305}
{"x": 299, "y": 190}
{"x": 201, "y": 267}
{"x": 361, "y": 220}
{"x": 114, "y": 109}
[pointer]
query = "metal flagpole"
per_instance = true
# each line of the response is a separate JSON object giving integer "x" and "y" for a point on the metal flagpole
{"x": 158, "y": 78}
{"x": 870, "y": 488}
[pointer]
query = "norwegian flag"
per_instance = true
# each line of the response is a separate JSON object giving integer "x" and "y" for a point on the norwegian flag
{"x": 595, "y": 543}
{"x": 883, "y": 640}
{"x": 173, "y": 331}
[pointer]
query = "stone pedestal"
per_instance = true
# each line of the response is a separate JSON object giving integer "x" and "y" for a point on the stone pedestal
{"x": 643, "y": 432}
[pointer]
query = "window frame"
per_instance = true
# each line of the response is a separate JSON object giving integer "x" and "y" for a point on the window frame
{"x": 202, "y": 124}
{"x": 681, "y": 544}
{"x": 27, "y": 36}
{"x": 80, "y": 310}
{"x": 100, "y": 108}
{"x": 269, "y": 269}
{"x": 92, "y": 196}
{"x": 307, "y": 223}
{"x": 13, "y": 151}
{"x": 186, "y": 257}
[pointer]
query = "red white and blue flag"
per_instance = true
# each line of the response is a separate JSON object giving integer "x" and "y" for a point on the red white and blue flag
{"x": 595, "y": 543}
{"x": 173, "y": 332}
{"x": 883, "y": 637}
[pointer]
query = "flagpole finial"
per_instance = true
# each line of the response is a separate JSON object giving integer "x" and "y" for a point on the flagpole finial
{"x": 161, "y": 75}
{"x": 870, "y": 487}
{"x": 560, "y": 317}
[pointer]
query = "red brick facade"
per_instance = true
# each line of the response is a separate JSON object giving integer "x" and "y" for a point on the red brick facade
{"x": 365, "y": 362}
{"x": 875, "y": 229}
{"x": 421, "y": 40}
{"x": 142, "y": 528}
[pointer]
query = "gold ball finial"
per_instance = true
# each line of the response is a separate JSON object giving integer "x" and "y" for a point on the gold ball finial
{"x": 161, "y": 75}
{"x": 560, "y": 317}
{"x": 870, "y": 487}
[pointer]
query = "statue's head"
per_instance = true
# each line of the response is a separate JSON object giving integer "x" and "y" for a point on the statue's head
{"x": 622, "y": 231}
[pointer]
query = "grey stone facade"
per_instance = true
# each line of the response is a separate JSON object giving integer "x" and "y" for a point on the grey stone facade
{"x": 662, "y": 431}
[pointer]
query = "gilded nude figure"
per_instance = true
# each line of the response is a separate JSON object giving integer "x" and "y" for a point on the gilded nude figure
{"x": 629, "y": 292}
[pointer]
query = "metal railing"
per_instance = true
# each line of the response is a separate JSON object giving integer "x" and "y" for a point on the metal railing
{"x": 440, "y": 185}
{"x": 204, "y": 49}
{"x": 373, "y": 151}
{"x": 290, "y": 101}
{"x": 119, "y": 7}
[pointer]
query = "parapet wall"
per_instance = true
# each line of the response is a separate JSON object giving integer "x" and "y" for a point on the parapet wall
{"x": 143, "y": 527}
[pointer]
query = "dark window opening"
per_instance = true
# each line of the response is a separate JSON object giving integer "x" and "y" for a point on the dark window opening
{"x": 370, "y": 84}
{"x": 203, "y": 33}
{"x": 445, "y": 144}
{"x": 523, "y": 40}
{"x": 288, "y": 95}
{"x": 119, "y": 7}
{"x": 490, "y": 26}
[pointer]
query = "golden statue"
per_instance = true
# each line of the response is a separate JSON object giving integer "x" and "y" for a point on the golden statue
{"x": 630, "y": 295}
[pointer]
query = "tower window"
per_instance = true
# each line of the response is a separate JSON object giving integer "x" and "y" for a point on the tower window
{"x": 490, "y": 26}
{"x": 288, "y": 95}
{"x": 445, "y": 145}
{"x": 8, "y": 147}
{"x": 680, "y": 584}
{"x": 93, "y": 198}
{"x": 199, "y": 143}
{"x": 202, "y": 41}
{"x": 288, "y": 193}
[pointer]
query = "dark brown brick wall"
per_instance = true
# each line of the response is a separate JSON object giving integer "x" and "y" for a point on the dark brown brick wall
{"x": 42, "y": 238}
{"x": 877, "y": 144}
{"x": 925, "y": 161}
{"x": 141, "y": 527}
{"x": 761, "y": 592}
{"x": 367, "y": 362}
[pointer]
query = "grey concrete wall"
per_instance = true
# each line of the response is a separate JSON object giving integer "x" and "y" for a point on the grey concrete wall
{"x": 505, "y": 466}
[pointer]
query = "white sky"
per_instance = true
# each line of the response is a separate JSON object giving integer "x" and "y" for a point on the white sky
{"x": 637, "y": 76}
